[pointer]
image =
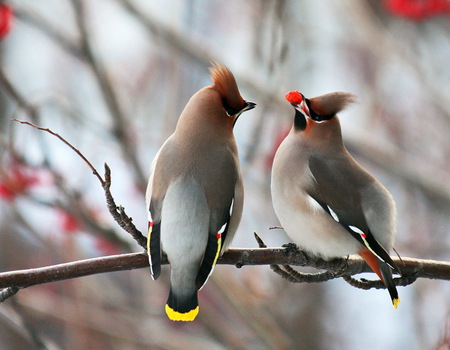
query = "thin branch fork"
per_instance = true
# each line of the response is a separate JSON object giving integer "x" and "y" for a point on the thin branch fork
{"x": 117, "y": 212}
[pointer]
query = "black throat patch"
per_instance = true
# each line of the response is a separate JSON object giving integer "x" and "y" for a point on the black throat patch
{"x": 299, "y": 120}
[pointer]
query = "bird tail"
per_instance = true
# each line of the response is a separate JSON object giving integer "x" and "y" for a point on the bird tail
{"x": 182, "y": 307}
{"x": 384, "y": 272}
{"x": 388, "y": 281}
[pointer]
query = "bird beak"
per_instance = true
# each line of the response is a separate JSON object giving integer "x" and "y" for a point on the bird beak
{"x": 299, "y": 102}
{"x": 301, "y": 113}
{"x": 302, "y": 108}
{"x": 237, "y": 112}
{"x": 247, "y": 106}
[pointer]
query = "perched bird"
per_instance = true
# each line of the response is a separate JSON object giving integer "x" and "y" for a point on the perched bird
{"x": 195, "y": 193}
{"x": 325, "y": 201}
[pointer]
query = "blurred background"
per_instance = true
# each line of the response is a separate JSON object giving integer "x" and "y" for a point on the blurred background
{"x": 112, "y": 77}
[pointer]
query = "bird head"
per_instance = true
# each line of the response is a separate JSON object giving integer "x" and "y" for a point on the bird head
{"x": 318, "y": 109}
{"x": 232, "y": 101}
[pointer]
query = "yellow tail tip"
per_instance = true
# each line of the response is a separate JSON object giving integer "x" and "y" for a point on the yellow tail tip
{"x": 396, "y": 302}
{"x": 181, "y": 316}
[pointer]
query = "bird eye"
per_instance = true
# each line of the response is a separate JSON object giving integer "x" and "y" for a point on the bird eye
{"x": 320, "y": 118}
{"x": 230, "y": 110}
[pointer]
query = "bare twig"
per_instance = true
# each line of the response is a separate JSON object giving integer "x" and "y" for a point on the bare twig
{"x": 377, "y": 284}
{"x": 118, "y": 213}
{"x": 94, "y": 171}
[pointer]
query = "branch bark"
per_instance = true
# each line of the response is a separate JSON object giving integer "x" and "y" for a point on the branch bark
{"x": 430, "y": 269}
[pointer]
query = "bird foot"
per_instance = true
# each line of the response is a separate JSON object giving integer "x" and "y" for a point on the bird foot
{"x": 341, "y": 269}
{"x": 290, "y": 248}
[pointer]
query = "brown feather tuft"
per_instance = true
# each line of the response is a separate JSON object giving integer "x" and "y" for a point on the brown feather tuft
{"x": 226, "y": 85}
{"x": 332, "y": 103}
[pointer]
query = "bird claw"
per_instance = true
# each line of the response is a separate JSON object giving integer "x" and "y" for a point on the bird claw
{"x": 290, "y": 248}
{"x": 342, "y": 268}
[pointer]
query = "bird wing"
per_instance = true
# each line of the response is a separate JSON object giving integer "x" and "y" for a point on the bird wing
{"x": 162, "y": 173}
{"x": 209, "y": 261}
{"x": 226, "y": 204}
{"x": 337, "y": 184}
{"x": 154, "y": 207}
{"x": 154, "y": 248}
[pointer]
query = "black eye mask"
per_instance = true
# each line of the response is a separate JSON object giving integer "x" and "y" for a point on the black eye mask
{"x": 317, "y": 117}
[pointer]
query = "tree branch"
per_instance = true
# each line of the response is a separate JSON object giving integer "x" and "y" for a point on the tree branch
{"x": 239, "y": 257}
{"x": 411, "y": 269}
{"x": 338, "y": 270}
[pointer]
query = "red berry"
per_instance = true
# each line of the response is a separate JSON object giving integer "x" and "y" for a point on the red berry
{"x": 6, "y": 17}
{"x": 294, "y": 97}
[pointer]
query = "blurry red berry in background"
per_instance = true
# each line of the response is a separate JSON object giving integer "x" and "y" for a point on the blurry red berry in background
{"x": 6, "y": 18}
{"x": 417, "y": 9}
{"x": 280, "y": 136}
{"x": 68, "y": 222}
{"x": 16, "y": 180}
{"x": 105, "y": 246}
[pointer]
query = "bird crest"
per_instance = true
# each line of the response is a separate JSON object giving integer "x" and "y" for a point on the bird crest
{"x": 332, "y": 103}
{"x": 225, "y": 84}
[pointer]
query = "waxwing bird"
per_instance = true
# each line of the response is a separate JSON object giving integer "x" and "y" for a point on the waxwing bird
{"x": 195, "y": 193}
{"x": 325, "y": 201}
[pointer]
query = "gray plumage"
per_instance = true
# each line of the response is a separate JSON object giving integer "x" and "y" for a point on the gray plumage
{"x": 326, "y": 202}
{"x": 195, "y": 191}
